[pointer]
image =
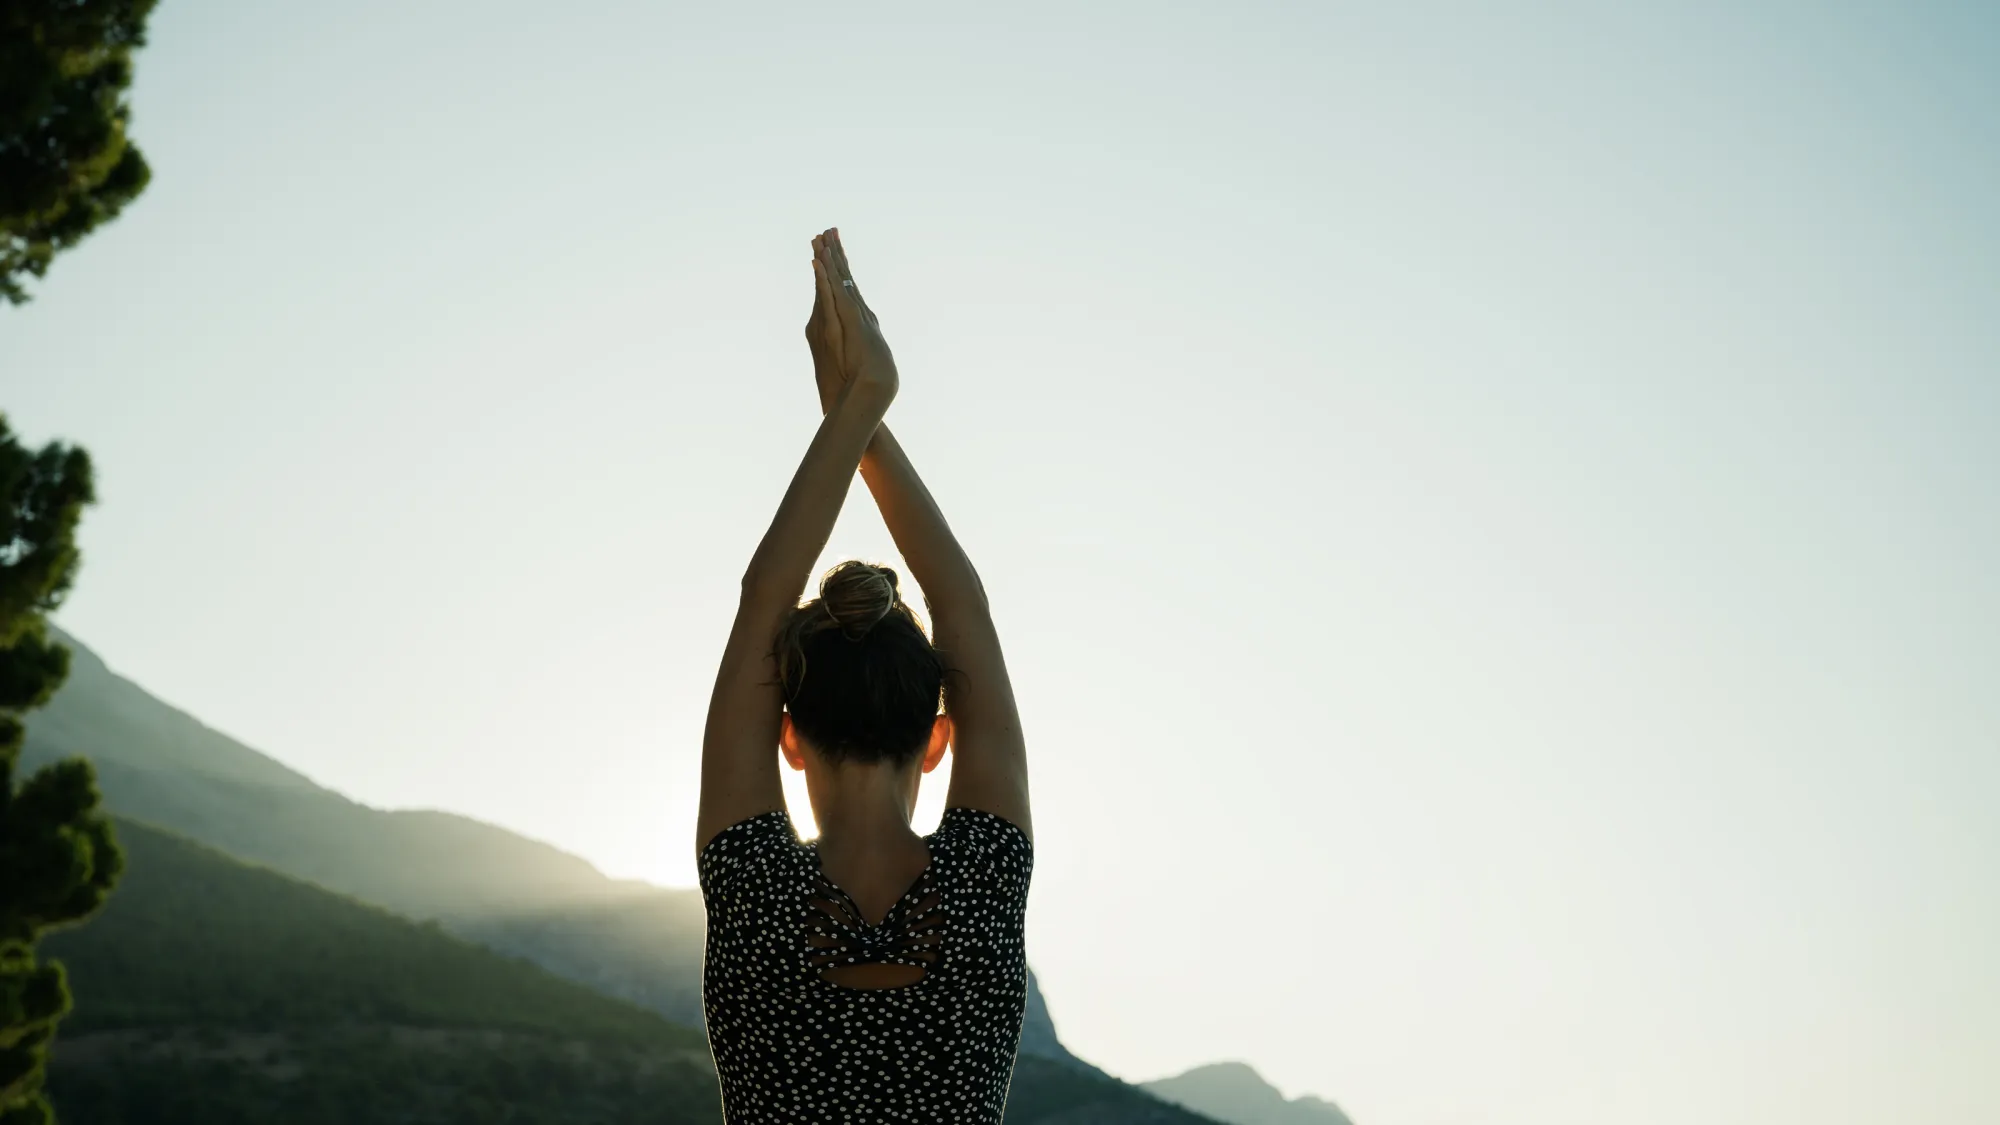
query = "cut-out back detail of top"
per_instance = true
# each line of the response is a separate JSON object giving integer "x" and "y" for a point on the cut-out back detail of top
{"x": 839, "y": 936}
{"x": 816, "y": 1015}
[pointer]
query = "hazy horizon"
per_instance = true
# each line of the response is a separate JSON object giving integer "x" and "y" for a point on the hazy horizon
{"x": 1511, "y": 494}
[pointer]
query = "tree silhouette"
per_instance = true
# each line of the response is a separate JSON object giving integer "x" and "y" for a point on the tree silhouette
{"x": 58, "y": 858}
{"x": 65, "y": 164}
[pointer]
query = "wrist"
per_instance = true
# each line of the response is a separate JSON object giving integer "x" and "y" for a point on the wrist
{"x": 879, "y": 446}
{"x": 863, "y": 398}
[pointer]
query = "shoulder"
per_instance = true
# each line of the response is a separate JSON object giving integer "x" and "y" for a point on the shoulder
{"x": 985, "y": 838}
{"x": 745, "y": 844}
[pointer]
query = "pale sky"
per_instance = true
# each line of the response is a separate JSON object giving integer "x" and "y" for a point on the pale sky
{"x": 1491, "y": 508}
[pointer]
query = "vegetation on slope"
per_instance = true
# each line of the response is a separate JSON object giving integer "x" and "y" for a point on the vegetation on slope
{"x": 214, "y": 992}
{"x": 196, "y": 937}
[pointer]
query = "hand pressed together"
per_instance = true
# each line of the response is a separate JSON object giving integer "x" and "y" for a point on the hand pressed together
{"x": 843, "y": 333}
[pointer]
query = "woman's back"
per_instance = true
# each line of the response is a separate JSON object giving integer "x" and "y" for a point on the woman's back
{"x": 791, "y": 1045}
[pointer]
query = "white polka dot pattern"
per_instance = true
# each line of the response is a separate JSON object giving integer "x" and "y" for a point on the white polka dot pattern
{"x": 792, "y": 1047}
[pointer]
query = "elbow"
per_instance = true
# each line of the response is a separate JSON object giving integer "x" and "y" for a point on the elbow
{"x": 964, "y": 603}
{"x": 975, "y": 591}
{"x": 758, "y": 586}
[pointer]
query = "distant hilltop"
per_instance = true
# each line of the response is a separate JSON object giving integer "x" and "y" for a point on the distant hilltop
{"x": 1233, "y": 1092}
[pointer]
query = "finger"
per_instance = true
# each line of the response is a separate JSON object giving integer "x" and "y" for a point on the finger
{"x": 836, "y": 259}
{"x": 823, "y": 251}
{"x": 843, "y": 293}
{"x": 818, "y": 314}
{"x": 817, "y": 296}
{"x": 840, "y": 263}
{"x": 831, "y": 327}
{"x": 847, "y": 273}
{"x": 847, "y": 307}
{"x": 840, "y": 256}
{"x": 823, "y": 298}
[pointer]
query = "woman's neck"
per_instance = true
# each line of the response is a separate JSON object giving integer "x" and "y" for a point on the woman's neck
{"x": 863, "y": 808}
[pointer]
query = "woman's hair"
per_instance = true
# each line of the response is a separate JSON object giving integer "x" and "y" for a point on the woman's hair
{"x": 861, "y": 679}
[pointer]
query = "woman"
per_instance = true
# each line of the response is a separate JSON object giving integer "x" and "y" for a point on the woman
{"x": 871, "y": 975}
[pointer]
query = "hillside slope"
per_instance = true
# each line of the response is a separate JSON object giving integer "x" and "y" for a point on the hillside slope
{"x": 159, "y": 764}
{"x": 217, "y": 992}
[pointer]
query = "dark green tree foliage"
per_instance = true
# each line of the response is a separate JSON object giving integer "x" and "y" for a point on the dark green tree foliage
{"x": 65, "y": 163}
{"x": 58, "y": 858}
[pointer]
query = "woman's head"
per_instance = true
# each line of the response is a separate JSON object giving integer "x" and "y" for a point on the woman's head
{"x": 861, "y": 680}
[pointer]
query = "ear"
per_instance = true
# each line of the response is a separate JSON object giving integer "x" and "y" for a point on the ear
{"x": 941, "y": 731}
{"x": 790, "y": 744}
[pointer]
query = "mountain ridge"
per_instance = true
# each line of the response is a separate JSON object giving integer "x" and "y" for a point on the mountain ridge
{"x": 1233, "y": 1092}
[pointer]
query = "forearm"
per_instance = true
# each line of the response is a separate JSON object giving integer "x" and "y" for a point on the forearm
{"x": 989, "y": 753}
{"x": 925, "y": 540}
{"x": 805, "y": 517}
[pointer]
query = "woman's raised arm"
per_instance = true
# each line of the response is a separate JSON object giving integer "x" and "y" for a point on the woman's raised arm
{"x": 739, "y": 749}
{"x": 989, "y": 768}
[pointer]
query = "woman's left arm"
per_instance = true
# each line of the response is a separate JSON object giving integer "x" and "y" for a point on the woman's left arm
{"x": 739, "y": 748}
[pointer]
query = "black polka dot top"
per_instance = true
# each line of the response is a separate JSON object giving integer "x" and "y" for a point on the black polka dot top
{"x": 792, "y": 1046}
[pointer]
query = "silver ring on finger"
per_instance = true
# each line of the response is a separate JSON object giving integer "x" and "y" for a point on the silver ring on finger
{"x": 849, "y": 284}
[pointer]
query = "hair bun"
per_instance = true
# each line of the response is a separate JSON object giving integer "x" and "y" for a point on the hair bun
{"x": 857, "y": 596}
